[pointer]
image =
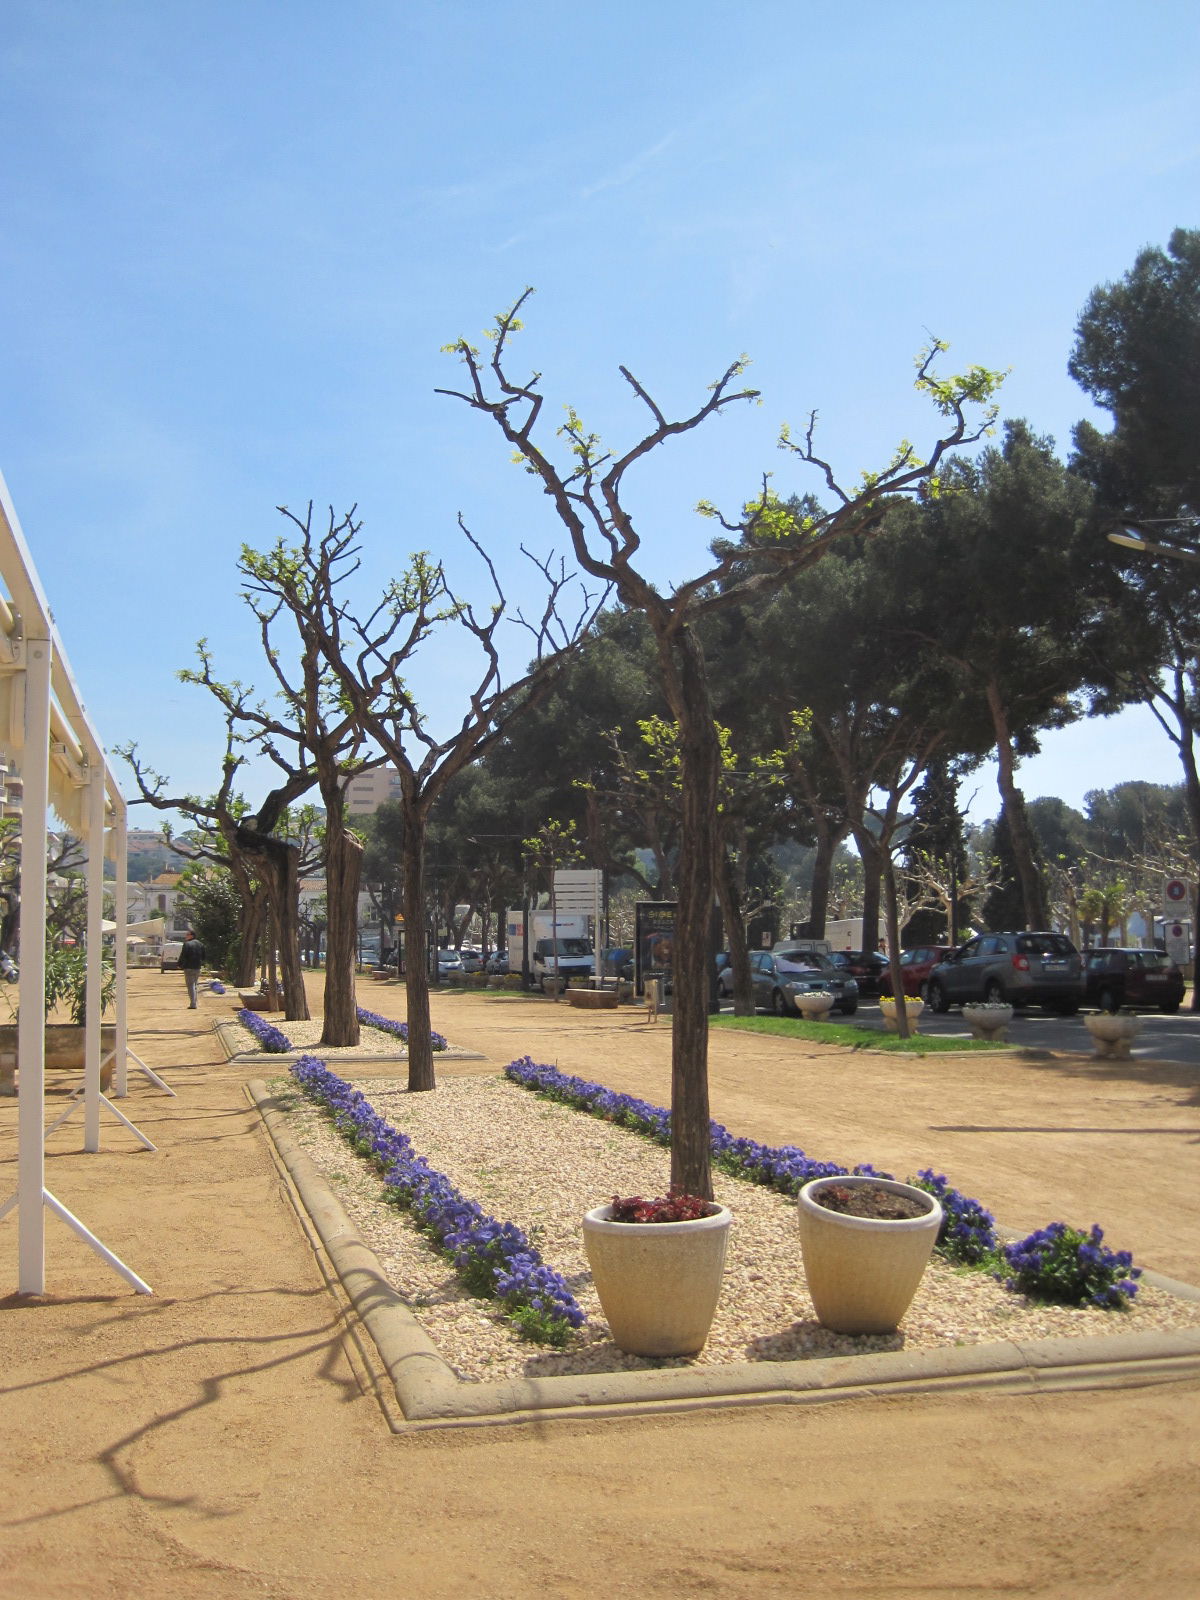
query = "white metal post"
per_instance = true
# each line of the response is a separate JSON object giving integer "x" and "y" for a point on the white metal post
{"x": 31, "y": 1033}
{"x": 120, "y": 839}
{"x": 95, "y": 951}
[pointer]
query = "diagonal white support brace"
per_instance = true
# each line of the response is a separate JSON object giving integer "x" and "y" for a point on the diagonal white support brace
{"x": 49, "y": 1203}
{"x": 88, "y": 1237}
{"x": 77, "y": 1099}
{"x": 150, "y": 1073}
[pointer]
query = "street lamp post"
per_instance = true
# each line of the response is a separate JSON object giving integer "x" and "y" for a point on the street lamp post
{"x": 1131, "y": 536}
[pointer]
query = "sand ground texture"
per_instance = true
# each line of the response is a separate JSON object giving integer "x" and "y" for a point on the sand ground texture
{"x": 215, "y": 1440}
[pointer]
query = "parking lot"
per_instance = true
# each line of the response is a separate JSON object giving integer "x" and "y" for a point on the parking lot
{"x": 1162, "y": 1038}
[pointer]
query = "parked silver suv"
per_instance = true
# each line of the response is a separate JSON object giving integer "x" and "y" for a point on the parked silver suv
{"x": 1040, "y": 968}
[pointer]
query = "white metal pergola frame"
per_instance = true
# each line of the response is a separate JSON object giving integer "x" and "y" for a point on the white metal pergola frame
{"x": 44, "y": 726}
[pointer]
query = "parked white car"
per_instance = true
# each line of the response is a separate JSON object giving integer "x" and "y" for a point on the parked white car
{"x": 448, "y": 961}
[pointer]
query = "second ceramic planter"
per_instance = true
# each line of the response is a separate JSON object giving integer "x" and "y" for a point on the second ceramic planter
{"x": 863, "y": 1271}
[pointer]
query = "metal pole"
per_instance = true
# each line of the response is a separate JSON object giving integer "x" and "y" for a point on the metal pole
{"x": 95, "y": 951}
{"x": 31, "y": 1033}
{"x": 120, "y": 835}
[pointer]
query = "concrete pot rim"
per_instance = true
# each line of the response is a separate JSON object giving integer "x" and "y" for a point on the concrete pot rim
{"x": 600, "y": 1220}
{"x": 1112, "y": 1022}
{"x": 806, "y": 1202}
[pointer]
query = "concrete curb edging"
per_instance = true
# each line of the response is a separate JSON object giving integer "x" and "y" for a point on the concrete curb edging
{"x": 430, "y": 1395}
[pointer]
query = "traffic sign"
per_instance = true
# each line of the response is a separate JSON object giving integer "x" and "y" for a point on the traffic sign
{"x": 1176, "y": 896}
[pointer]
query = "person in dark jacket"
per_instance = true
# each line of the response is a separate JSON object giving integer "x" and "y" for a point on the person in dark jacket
{"x": 191, "y": 959}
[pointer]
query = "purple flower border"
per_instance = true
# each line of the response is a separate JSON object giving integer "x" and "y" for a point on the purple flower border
{"x": 967, "y": 1234}
{"x": 268, "y": 1035}
{"x": 275, "y": 1040}
{"x": 372, "y": 1019}
{"x": 495, "y": 1259}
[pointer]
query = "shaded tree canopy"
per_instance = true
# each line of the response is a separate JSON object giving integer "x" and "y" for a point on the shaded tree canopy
{"x": 1137, "y": 354}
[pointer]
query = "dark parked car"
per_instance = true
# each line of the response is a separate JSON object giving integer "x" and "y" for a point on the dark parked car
{"x": 497, "y": 963}
{"x": 866, "y": 967}
{"x": 1117, "y": 977}
{"x": 916, "y": 965}
{"x": 1040, "y": 968}
{"x": 776, "y": 981}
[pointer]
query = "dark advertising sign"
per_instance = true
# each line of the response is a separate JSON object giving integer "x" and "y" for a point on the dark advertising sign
{"x": 655, "y": 956}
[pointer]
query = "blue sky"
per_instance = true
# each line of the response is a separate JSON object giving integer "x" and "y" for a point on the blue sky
{"x": 235, "y": 237}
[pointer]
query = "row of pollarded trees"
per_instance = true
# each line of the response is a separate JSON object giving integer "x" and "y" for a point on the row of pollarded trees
{"x": 341, "y": 692}
{"x": 974, "y": 630}
{"x": 341, "y": 704}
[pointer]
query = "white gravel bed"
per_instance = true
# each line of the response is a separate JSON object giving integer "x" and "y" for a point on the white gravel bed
{"x": 307, "y": 1036}
{"x": 542, "y": 1165}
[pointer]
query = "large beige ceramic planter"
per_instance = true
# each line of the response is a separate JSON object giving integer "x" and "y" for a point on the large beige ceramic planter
{"x": 862, "y": 1271}
{"x": 989, "y": 1021}
{"x": 658, "y": 1282}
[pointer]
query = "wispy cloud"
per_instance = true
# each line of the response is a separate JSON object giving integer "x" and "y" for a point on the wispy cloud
{"x": 631, "y": 168}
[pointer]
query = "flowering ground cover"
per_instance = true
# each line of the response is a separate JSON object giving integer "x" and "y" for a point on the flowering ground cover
{"x": 495, "y": 1259}
{"x": 1055, "y": 1263}
{"x": 276, "y": 1041}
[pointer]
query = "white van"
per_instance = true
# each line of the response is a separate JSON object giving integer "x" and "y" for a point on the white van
{"x": 565, "y": 958}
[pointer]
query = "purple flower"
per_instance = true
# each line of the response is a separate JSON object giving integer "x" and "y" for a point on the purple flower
{"x": 492, "y": 1258}
{"x": 269, "y": 1037}
{"x": 372, "y": 1019}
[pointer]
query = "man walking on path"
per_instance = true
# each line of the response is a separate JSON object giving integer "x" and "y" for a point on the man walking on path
{"x": 191, "y": 958}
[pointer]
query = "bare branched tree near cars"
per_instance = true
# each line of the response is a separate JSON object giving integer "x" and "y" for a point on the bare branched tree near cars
{"x": 762, "y": 547}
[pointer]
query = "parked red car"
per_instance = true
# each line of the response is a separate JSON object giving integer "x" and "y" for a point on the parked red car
{"x": 917, "y": 964}
{"x": 1119, "y": 977}
{"x": 866, "y": 967}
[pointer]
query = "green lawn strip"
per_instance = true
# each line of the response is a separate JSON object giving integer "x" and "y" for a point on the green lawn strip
{"x": 852, "y": 1037}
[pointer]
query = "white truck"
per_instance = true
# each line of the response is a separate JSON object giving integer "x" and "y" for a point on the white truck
{"x": 559, "y": 944}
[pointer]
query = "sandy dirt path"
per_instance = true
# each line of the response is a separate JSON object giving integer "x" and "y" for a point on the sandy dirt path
{"x": 213, "y": 1440}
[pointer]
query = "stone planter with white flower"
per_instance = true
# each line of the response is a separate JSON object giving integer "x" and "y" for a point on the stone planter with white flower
{"x": 988, "y": 1019}
{"x": 815, "y": 1005}
{"x": 1113, "y": 1032}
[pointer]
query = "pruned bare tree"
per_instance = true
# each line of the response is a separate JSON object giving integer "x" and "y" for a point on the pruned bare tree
{"x": 308, "y": 732}
{"x": 763, "y": 546}
{"x": 366, "y": 656}
{"x": 255, "y": 848}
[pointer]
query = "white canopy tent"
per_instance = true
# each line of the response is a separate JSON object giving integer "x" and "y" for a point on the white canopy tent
{"x": 46, "y": 730}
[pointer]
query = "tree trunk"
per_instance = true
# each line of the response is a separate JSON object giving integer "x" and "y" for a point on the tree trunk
{"x": 416, "y": 953}
{"x": 251, "y": 917}
{"x": 872, "y": 871}
{"x": 1020, "y": 833}
{"x": 278, "y": 862}
{"x": 270, "y": 983}
{"x": 343, "y": 871}
{"x": 818, "y": 905}
{"x": 252, "y": 911}
{"x": 700, "y": 761}
{"x": 1191, "y": 788}
{"x": 735, "y": 937}
{"x": 893, "y": 935}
